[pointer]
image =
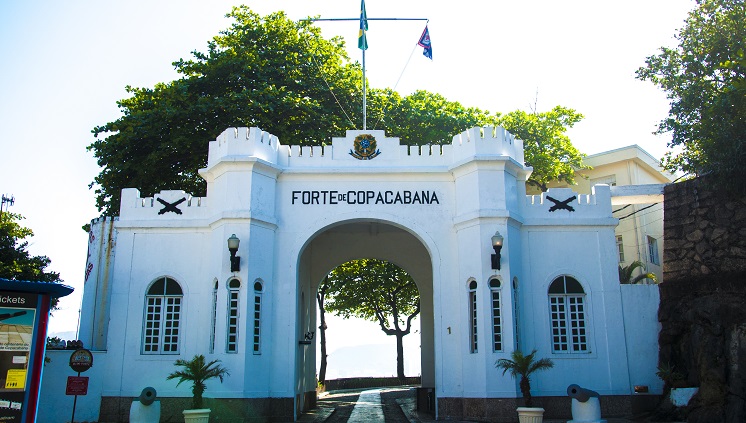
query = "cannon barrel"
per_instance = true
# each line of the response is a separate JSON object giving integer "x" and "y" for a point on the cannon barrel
{"x": 147, "y": 396}
{"x": 580, "y": 394}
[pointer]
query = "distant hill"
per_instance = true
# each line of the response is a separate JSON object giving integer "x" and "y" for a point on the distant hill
{"x": 372, "y": 360}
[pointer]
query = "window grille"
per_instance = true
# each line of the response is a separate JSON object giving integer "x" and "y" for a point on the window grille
{"x": 162, "y": 318}
{"x": 497, "y": 331}
{"x": 620, "y": 248}
{"x": 257, "y": 317}
{"x": 234, "y": 286}
{"x": 473, "y": 316}
{"x": 567, "y": 315}
{"x": 213, "y": 323}
{"x": 516, "y": 315}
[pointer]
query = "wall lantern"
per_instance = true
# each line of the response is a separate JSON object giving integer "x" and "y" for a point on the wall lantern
{"x": 497, "y": 245}
{"x": 233, "y": 243}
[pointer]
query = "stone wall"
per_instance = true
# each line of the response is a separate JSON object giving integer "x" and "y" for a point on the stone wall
{"x": 703, "y": 299}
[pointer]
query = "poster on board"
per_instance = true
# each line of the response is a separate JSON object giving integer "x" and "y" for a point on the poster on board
{"x": 17, "y": 320}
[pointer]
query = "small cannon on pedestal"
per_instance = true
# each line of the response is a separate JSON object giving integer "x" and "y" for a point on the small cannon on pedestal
{"x": 146, "y": 409}
{"x": 586, "y": 407}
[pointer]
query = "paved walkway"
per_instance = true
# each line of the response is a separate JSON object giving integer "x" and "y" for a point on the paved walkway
{"x": 368, "y": 407}
{"x": 381, "y": 405}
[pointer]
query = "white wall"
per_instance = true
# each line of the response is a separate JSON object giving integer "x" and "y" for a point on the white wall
{"x": 54, "y": 405}
{"x": 641, "y": 328}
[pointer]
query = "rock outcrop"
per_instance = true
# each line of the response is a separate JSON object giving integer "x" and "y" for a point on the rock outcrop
{"x": 703, "y": 298}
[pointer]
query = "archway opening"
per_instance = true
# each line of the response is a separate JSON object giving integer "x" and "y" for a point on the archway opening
{"x": 368, "y": 314}
{"x": 363, "y": 239}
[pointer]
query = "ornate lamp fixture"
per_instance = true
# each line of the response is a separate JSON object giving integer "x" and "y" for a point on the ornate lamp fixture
{"x": 233, "y": 243}
{"x": 497, "y": 245}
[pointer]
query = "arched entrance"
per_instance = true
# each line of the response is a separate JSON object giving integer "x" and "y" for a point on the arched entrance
{"x": 353, "y": 239}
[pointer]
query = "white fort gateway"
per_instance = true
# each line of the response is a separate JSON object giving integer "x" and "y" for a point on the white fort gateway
{"x": 161, "y": 283}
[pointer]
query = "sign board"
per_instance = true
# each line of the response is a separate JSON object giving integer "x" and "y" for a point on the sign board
{"x": 77, "y": 385}
{"x": 17, "y": 324}
{"x": 81, "y": 360}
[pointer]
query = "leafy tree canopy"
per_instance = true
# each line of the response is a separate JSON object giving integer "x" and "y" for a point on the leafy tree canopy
{"x": 547, "y": 148}
{"x": 377, "y": 291}
{"x": 283, "y": 77}
{"x": 704, "y": 78}
{"x": 16, "y": 263}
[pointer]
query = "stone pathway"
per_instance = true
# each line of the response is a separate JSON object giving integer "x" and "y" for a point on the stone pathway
{"x": 382, "y": 405}
{"x": 368, "y": 408}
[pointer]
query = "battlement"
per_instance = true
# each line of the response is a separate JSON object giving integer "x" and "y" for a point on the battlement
{"x": 347, "y": 151}
{"x": 169, "y": 202}
{"x": 248, "y": 142}
{"x": 565, "y": 203}
{"x": 488, "y": 140}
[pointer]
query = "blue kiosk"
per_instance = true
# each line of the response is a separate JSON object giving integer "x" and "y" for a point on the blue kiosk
{"x": 24, "y": 316}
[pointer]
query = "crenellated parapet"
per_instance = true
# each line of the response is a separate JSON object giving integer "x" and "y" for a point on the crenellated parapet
{"x": 170, "y": 203}
{"x": 487, "y": 141}
{"x": 563, "y": 204}
{"x": 366, "y": 149}
{"x": 243, "y": 142}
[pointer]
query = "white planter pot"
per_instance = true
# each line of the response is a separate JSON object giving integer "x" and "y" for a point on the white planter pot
{"x": 530, "y": 414}
{"x": 201, "y": 415}
{"x": 680, "y": 397}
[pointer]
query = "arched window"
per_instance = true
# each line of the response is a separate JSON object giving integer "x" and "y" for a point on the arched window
{"x": 473, "y": 316}
{"x": 162, "y": 319}
{"x": 257, "y": 315}
{"x": 567, "y": 315}
{"x": 497, "y": 326}
{"x": 231, "y": 340}
{"x": 214, "y": 315}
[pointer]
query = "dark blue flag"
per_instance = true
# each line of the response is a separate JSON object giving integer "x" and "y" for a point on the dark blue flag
{"x": 425, "y": 42}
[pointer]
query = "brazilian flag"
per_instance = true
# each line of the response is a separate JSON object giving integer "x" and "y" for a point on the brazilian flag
{"x": 362, "y": 40}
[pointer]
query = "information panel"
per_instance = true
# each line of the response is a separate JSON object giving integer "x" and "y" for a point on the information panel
{"x": 17, "y": 319}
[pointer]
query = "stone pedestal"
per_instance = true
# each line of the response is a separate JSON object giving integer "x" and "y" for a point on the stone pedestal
{"x": 141, "y": 413}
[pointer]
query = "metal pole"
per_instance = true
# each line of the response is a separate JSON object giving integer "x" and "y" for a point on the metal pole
{"x": 365, "y": 105}
{"x": 75, "y": 402}
{"x": 365, "y": 112}
{"x": 368, "y": 19}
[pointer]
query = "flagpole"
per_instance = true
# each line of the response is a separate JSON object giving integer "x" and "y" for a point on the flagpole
{"x": 365, "y": 110}
{"x": 363, "y": 45}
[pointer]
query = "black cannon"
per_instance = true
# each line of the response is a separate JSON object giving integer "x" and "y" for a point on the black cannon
{"x": 580, "y": 394}
{"x": 586, "y": 406}
{"x": 147, "y": 396}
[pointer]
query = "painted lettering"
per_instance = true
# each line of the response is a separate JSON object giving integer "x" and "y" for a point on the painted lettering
{"x": 320, "y": 197}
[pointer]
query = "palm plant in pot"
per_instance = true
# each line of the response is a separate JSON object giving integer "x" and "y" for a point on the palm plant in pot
{"x": 523, "y": 366}
{"x": 197, "y": 372}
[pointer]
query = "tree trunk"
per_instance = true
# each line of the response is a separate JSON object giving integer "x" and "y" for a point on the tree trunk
{"x": 320, "y": 296}
{"x": 322, "y": 340}
{"x": 400, "y": 355}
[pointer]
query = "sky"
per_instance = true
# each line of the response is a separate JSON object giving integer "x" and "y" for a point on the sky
{"x": 66, "y": 64}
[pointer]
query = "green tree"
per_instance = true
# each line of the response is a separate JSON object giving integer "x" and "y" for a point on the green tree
{"x": 625, "y": 274}
{"x": 270, "y": 72}
{"x": 704, "y": 78}
{"x": 422, "y": 117}
{"x": 283, "y": 77}
{"x": 547, "y": 148}
{"x": 16, "y": 263}
{"x": 523, "y": 366}
{"x": 378, "y": 291}
{"x": 198, "y": 372}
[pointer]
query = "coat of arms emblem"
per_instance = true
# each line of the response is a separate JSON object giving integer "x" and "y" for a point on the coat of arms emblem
{"x": 365, "y": 147}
